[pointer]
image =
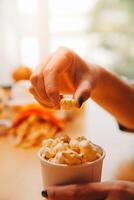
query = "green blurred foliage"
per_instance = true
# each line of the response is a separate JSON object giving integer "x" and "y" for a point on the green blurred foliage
{"x": 113, "y": 21}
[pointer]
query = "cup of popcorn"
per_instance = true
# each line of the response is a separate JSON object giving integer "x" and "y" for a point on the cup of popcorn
{"x": 70, "y": 161}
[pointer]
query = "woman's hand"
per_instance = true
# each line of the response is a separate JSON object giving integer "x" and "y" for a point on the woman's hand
{"x": 63, "y": 72}
{"x": 118, "y": 190}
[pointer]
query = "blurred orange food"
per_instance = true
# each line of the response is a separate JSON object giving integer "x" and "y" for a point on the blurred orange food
{"x": 21, "y": 73}
{"x": 34, "y": 124}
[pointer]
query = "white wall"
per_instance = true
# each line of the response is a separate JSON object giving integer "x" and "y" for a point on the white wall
{"x": 23, "y": 34}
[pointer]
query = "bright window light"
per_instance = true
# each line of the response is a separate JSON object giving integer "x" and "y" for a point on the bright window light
{"x": 70, "y": 22}
{"x": 71, "y": 6}
{"x": 27, "y": 6}
{"x": 30, "y": 51}
{"x": 10, "y": 41}
{"x": 66, "y": 25}
{"x": 77, "y": 43}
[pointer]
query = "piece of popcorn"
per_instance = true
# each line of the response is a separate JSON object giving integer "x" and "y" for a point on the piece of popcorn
{"x": 55, "y": 142}
{"x": 58, "y": 159}
{"x": 72, "y": 158}
{"x": 81, "y": 138}
{"x": 67, "y": 157}
{"x": 68, "y": 103}
{"x": 88, "y": 150}
{"x": 48, "y": 153}
{"x": 48, "y": 142}
{"x": 65, "y": 139}
{"x": 74, "y": 145}
{"x": 61, "y": 147}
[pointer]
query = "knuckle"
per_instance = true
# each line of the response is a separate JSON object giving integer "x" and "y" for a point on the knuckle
{"x": 34, "y": 78}
{"x": 75, "y": 191}
{"x": 119, "y": 188}
{"x": 52, "y": 192}
{"x": 62, "y": 49}
{"x": 50, "y": 91}
{"x": 46, "y": 71}
{"x": 65, "y": 53}
{"x": 122, "y": 187}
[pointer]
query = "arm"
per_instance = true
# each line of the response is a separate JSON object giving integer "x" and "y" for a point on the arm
{"x": 116, "y": 96}
{"x": 67, "y": 73}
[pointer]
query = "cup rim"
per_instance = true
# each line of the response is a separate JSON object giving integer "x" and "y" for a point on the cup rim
{"x": 46, "y": 162}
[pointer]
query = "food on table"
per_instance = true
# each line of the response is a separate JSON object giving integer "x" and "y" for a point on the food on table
{"x": 21, "y": 73}
{"x": 2, "y": 99}
{"x": 68, "y": 103}
{"x": 20, "y": 94}
{"x": 4, "y": 96}
{"x": 65, "y": 150}
{"x": 19, "y": 97}
{"x": 34, "y": 124}
{"x": 4, "y": 126}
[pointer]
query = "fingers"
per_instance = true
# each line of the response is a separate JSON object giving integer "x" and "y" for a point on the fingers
{"x": 83, "y": 91}
{"x": 63, "y": 69}
{"x": 37, "y": 98}
{"x": 94, "y": 191}
{"x": 38, "y": 89}
{"x": 47, "y": 83}
{"x": 38, "y": 85}
{"x": 45, "y": 80}
{"x": 57, "y": 65}
{"x": 63, "y": 192}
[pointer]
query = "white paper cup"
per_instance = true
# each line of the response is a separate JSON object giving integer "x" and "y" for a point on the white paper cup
{"x": 60, "y": 174}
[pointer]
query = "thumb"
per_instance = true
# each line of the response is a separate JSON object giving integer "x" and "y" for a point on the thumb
{"x": 83, "y": 91}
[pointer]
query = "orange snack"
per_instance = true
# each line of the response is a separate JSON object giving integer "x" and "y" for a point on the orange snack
{"x": 21, "y": 73}
{"x": 34, "y": 124}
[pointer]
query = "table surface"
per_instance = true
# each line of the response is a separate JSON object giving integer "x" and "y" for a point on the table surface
{"x": 20, "y": 175}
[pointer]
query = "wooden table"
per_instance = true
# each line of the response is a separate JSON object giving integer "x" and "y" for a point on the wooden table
{"x": 20, "y": 173}
{"x": 20, "y": 176}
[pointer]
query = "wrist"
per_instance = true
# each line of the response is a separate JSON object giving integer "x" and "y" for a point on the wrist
{"x": 95, "y": 74}
{"x": 97, "y": 70}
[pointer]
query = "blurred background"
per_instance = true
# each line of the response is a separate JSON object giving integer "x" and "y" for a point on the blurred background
{"x": 102, "y": 31}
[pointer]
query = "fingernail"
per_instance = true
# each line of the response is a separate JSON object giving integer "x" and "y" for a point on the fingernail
{"x": 44, "y": 193}
{"x": 80, "y": 100}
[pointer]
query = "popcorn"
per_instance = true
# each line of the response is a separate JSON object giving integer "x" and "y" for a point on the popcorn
{"x": 72, "y": 158}
{"x": 48, "y": 153}
{"x": 61, "y": 147}
{"x": 70, "y": 151}
{"x": 89, "y": 150}
{"x": 58, "y": 158}
{"x": 65, "y": 138}
{"x": 48, "y": 142}
{"x": 68, "y": 103}
{"x": 81, "y": 138}
{"x": 74, "y": 145}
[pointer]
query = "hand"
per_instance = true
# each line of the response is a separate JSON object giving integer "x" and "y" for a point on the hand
{"x": 63, "y": 72}
{"x": 118, "y": 190}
